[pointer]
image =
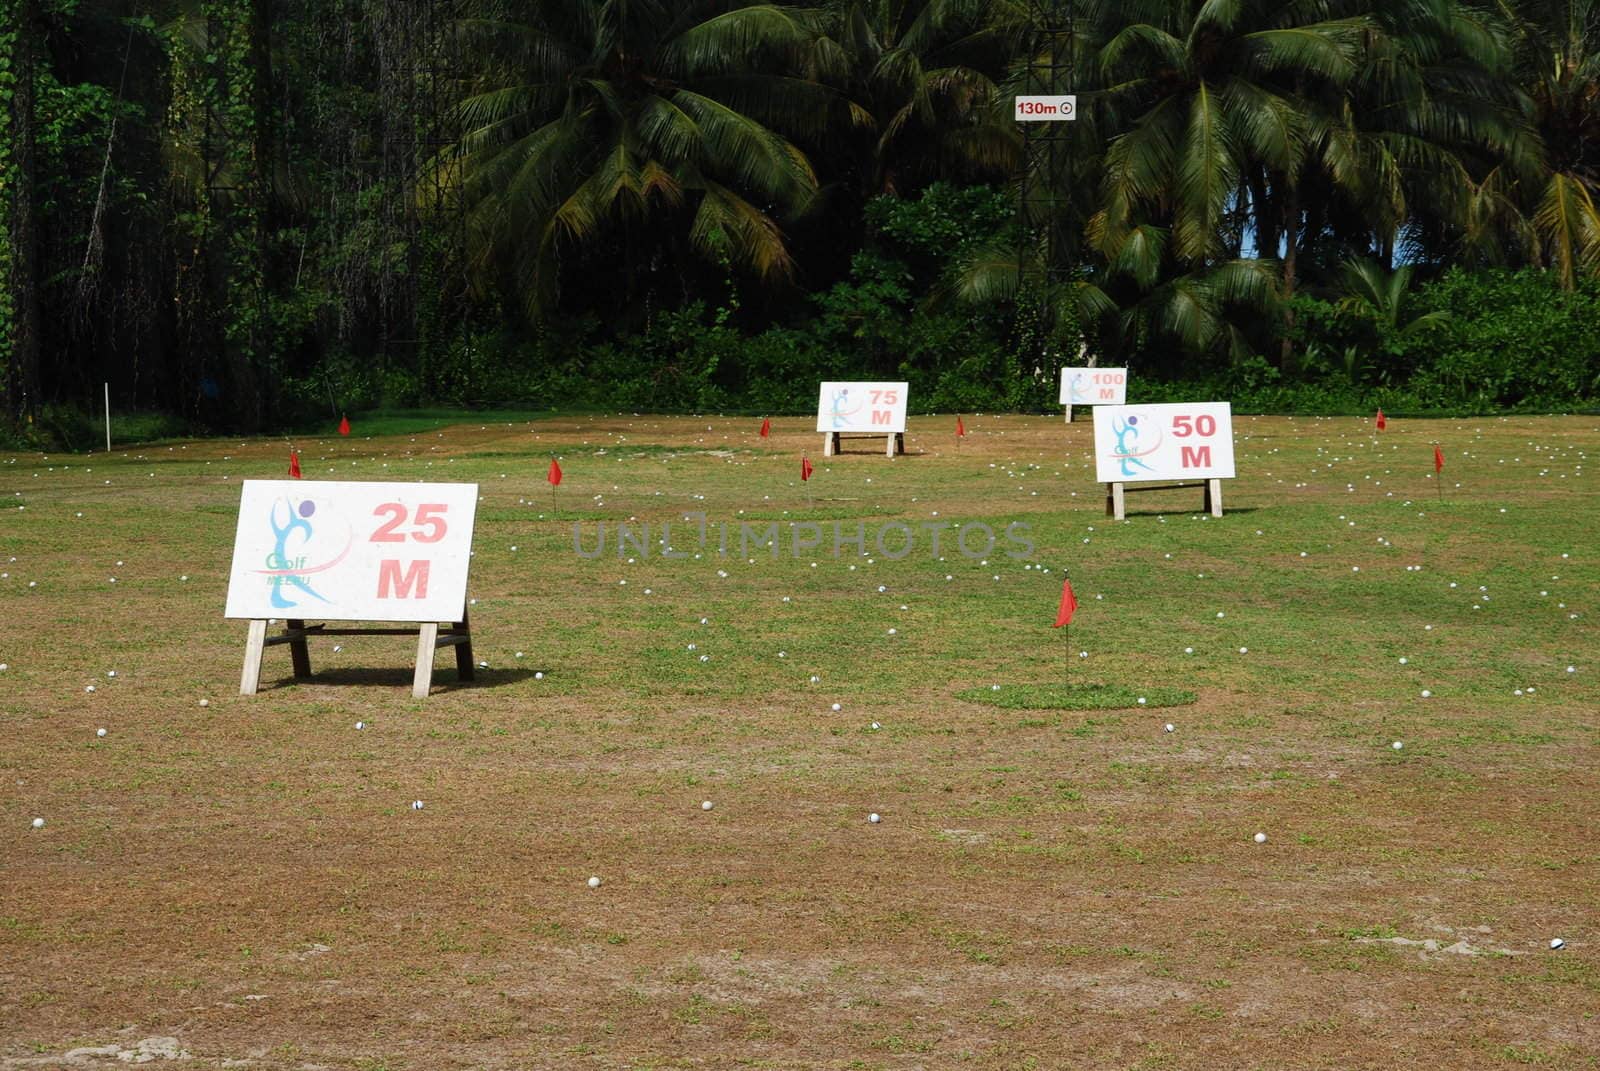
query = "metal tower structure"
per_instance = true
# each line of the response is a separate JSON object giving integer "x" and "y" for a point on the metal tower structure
{"x": 1046, "y": 247}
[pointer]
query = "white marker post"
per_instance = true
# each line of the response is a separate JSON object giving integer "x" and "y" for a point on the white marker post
{"x": 1093, "y": 386}
{"x": 1136, "y": 445}
{"x": 108, "y": 417}
{"x": 862, "y": 409}
{"x": 353, "y": 552}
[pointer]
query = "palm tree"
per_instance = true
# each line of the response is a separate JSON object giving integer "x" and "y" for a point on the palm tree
{"x": 928, "y": 74}
{"x": 650, "y": 124}
{"x": 1557, "y": 44}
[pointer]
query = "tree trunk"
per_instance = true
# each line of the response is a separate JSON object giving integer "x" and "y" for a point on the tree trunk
{"x": 1287, "y": 361}
{"x": 22, "y": 388}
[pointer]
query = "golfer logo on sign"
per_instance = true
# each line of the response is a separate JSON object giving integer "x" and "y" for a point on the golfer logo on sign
{"x": 842, "y": 417}
{"x": 1080, "y": 390}
{"x": 281, "y": 568}
{"x": 1127, "y": 452}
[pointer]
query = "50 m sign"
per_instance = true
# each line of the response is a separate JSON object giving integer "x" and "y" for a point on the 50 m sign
{"x": 352, "y": 551}
{"x": 1138, "y": 443}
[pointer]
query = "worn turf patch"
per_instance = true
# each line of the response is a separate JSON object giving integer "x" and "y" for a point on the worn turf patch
{"x": 1076, "y": 696}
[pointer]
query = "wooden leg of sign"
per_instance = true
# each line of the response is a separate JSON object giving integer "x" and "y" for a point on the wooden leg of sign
{"x": 1214, "y": 497}
{"x": 464, "y": 649}
{"x": 1069, "y": 414}
{"x": 254, "y": 644}
{"x": 827, "y": 444}
{"x": 299, "y": 653}
{"x": 427, "y": 641}
{"x": 1117, "y": 502}
{"x": 890, "y": 449}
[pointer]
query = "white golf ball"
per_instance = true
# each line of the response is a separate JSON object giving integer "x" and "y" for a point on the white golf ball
{"x": 1188, "y": 650}
{"x": 205, "y": 702}
{"x": 4, "y": 667}
{"x": 594, "y": 882}
{"x": 1555, "y": 942}
{"x": 111, "y": 673}
{"x": 99, "y": 732}
{"x": 89, "y": 688}
{"x": 1398, "y": 745}
{"x": 361, "y": 725}
{"x": 1141, "y": 700}
{"x": 874, "y": 818}
{"x": 1244, "y": 650}
{"x": 1170, "y": 727}
{"x": 1570, "y": 669}
{"x": 416, "y": 805}
{"x": 38, "y": 823}
{"x": 518, "y": 654}
{"x": 891, "y": 632}
{"x": 705, "y": 805}
{"x": 836, "y": 706}
{"x": 1426, "y": 694}
{"x": 539, "y": 676}
{"x": 1403, "y": 661}
{"x": 1261, "y": 838}
{"x": 876, "y": 726}
{"x": 1219, "y": 613}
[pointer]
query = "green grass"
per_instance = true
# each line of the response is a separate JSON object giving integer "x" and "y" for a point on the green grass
{"x": 1077, "y": 697}
{"x": 1094, "y": 872}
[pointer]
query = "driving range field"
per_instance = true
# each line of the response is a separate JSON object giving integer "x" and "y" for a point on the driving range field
{"x": 245, "y": 884}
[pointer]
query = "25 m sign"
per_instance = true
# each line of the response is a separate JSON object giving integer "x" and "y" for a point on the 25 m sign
{"x": 1139, "y": 443}
{"x": 333, "y": 551}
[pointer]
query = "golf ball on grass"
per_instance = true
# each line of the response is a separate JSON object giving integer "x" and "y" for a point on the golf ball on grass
{"x": 205, "y": 702}
{"x": 416, "y": 805}
{"x": 38, "y": 823}
{"x": 874, "y": 818}
{"x": 594, "y": 882}
{"x": 100, "y": 732}
{"x": 1398, "y": 745}
{"x": 1170, "y": 727}
{"x": 1555, "y": 942}
{"x": 1261, "y": 838}
{"x": 705, "y": 805}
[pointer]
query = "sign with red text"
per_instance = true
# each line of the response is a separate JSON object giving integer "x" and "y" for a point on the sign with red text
{"x": 868, "y": 408}
{"x": 352, "y": 551}
{"x": 1133, "y": 443}
{"x": 1094, "y": 386}
{"x": 1052, "y": 108}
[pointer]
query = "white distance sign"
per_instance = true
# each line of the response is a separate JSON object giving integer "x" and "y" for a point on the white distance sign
{"x": 1134, "y": 443}
{"x": 1094, "y": 386}
{"x": 352, "y": 551}
{"x": 1048, "y": 108}
{"x": 866, "y": 408}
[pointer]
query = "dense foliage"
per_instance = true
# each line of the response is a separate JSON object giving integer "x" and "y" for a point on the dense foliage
{"x": 249, "y": 213}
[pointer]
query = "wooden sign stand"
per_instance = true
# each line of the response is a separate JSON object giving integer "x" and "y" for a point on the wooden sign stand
{"x": 831, "y": 441}
{"x": 430, "y": 637}
{"x": 1116, "y": 503}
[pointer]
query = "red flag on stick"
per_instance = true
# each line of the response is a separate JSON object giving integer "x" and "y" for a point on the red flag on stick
{"x": 1382, "y": 421}
{"x": 766, "y": 427}
{"x": 294, "y": 464}
{"x": 1069, "y": 603}
{"x": 554, "y": 475}
{"x": 344, "y": 425}
{"x": 961, "y": 429}
{"x": 1438, "y": 460}
{"x": 805, "y": 469}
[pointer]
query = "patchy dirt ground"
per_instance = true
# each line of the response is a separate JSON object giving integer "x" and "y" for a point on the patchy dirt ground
{"x": 244, "y": 885}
